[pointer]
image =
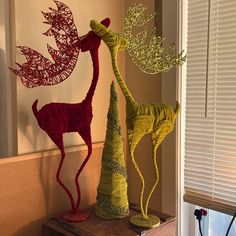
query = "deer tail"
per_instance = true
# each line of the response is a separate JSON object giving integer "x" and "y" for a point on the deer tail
{"x": 34, "y": 108}
{"x": 177, "y": 108}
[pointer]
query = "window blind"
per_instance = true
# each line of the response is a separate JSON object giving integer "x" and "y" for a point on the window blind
{"x": 210, "y": 141}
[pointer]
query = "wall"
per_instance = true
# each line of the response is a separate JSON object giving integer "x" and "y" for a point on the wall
{"x": 169, "y": 96}
{"x": 30, "y": 193}
{"x": 29, "y": 29}
{"x": 8, "y": 129}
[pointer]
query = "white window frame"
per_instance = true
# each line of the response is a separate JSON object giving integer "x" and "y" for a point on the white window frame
{"x": 186, "y": 223}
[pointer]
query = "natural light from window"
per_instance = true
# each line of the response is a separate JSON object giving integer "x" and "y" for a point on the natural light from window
{"x": 216, "y": 224}
{"x": 208, "y": 126}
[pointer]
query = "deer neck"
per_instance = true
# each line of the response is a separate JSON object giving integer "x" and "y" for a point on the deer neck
{"x": 95, "y": 61}
{"x": 130, "y": 102}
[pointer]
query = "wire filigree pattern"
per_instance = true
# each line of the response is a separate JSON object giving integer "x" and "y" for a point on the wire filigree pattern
{"x": 38, "y": 70}
{"x": 151, "y": 57}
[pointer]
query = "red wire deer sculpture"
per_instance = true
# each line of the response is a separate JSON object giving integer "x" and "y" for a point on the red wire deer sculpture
{"x": 58, "y": 118}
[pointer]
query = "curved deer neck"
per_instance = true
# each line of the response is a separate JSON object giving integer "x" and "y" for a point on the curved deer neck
{"x": 95, "y": 60}
{"x": 130, "y": 102}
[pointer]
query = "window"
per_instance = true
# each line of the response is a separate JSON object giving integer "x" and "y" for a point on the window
{"x": 217, "y": 223}
{"x": 210, "y": 107}
{"x": 210, "y": 124}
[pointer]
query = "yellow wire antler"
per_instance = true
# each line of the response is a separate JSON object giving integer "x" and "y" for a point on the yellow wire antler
{"x": 150, "y": 58}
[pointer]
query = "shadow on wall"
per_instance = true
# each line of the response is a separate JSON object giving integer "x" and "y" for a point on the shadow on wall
{"x": 6, "y": 109}
{"x": 47, "y": 177}
{"x": 30, "y": 194}
{"x": 54, "y": 196}
{"x": 27, "y": 125}
{"x": 2, "y": 104}
{"x": 32, "y": 229}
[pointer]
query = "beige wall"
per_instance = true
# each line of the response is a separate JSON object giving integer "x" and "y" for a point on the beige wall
{"x": 29, "y": 29}
{"x": 169, "y": 96}
{"x": 30, "y": 193}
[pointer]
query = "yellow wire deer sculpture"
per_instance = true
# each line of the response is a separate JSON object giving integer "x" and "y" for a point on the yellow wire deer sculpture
{"x": 157, "y": 120}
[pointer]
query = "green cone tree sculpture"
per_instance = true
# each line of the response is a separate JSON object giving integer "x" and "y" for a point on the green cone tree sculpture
{"x": 112, "y": 198}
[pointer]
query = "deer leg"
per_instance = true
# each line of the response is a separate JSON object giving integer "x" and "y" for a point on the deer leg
{"x": 157, "y": 136}
{"x": 86, "y": 136}
{"x": 134, "y": 138}
{"x": 154, "y": 155}
{"x": 58, "y": 140}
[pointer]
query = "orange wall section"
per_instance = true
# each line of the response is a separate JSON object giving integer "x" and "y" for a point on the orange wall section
{"x": 30, "y": 193}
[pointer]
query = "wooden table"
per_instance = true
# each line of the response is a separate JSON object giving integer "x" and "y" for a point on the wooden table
{"x": 95, "y": 226}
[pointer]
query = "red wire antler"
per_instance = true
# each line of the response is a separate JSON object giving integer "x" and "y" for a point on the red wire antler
{"x": 38, "y": 70}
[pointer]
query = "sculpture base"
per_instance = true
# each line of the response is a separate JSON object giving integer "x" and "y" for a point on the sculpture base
{"x": 71, "y": 216}
{"x": 151, "y": 222}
